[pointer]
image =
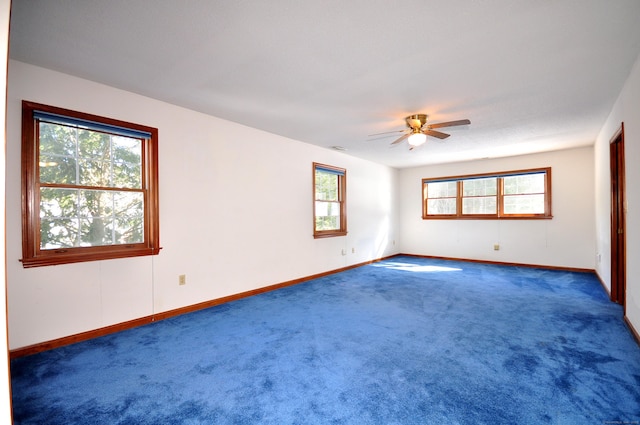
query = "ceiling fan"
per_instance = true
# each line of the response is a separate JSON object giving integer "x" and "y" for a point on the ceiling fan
{"x": 418, "y": 130}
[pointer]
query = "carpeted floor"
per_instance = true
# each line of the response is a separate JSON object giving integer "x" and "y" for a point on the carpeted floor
{"x": 403, "y": 341}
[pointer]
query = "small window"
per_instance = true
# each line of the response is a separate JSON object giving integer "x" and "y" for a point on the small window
{"x": 524, "y": 194}
{"x": 329, "y": 196}
{"x": 515, "y": 194}
{"x": 90, "y": 187}
{"x": 441, "y": 198}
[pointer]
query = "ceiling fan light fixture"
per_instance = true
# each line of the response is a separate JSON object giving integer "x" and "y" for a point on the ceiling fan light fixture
{"x": 417, "y": 139}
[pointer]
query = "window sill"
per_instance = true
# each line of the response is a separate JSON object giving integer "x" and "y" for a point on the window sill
{"x": 328, "y": 234}
{"x": 58, "y": 258}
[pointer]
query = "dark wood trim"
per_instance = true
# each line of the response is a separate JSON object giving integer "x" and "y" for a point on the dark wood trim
{"x": 618, "y": 222}
{"x": 500, "y": 263}
{"x": 84, "y": 336}
{"x": 633, "y": 330}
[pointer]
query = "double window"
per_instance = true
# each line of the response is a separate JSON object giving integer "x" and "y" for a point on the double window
{"x": 90, "y": 187}
{"x": 329, "y": 196}
{"x": 515, "y": 194}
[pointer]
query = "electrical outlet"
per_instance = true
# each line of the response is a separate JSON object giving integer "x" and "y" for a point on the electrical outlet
{"x": 344, "y": 251}
{"x": 496, "y": 247}
{"x": 353, "y": 250}
{"x": 182, "y": 279}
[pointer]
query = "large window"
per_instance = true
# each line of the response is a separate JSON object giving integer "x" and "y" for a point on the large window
{"x": 90, "y": 187}
{"x": 514, "y": 194}
{"x": 329, "y": 201}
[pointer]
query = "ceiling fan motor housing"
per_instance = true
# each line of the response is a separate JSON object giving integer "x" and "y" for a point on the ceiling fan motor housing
{"x": 416, "y": 121}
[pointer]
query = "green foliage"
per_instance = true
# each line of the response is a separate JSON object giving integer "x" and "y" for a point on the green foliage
{"x": 326, "y": 186}
{"x": 108, "y": 207}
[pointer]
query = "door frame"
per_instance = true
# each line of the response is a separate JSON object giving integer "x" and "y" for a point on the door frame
{"x": 618, "y": 218}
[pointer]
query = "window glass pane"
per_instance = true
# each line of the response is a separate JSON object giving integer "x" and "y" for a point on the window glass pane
{"x": 524, "y": 204}
{"x": 129, "y": 217}
{"x": 56, "y": 139}
{"x": 127, "y": 162}
{"x": 57, "y": 152}
{"x": 94, "y": 158}
{"x": 530, "y": 183}
{"x": 480, "y": 187}
{"x": 89, "y": 158}
{"x": 57, "y": 169}
{"x": 442, "y": 189}
{"x": 441, "y": 206}
{"x": 76, "y": 218}
{"x": 58, "y": 214}
{"x": 479, "y": 205}
{"x": 327, "y": 215}
{"x": 326, "y": 186}
{"x": 110, "y": 217}
{"x": 94, "y": 172}
{"x": 58, "y": 232}
{"x": 94, "y": 145}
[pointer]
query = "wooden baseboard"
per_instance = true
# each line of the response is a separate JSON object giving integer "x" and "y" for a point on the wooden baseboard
{"x": 84, "y": 336}
{"x": 500, "y": 263}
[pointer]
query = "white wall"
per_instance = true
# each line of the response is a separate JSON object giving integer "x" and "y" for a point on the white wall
{"x": 235, "y": 215}
{"x": 567, "y": 240}
{"x": 627, "y": 110}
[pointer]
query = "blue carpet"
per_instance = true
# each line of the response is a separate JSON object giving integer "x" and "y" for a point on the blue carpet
{"x": 402, "y": 341}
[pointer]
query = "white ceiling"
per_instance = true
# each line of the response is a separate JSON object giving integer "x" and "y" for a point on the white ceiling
{"x": 531, "y": 75}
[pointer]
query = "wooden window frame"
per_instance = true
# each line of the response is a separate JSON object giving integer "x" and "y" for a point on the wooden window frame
{"x": 500, "y": 196}
{"x": 425, "y": 199}
{"x": 342, "y": 199}
{"x": 32, "y": 254}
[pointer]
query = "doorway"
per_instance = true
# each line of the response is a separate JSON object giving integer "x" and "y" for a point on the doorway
{"x": 618, "y": 227}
